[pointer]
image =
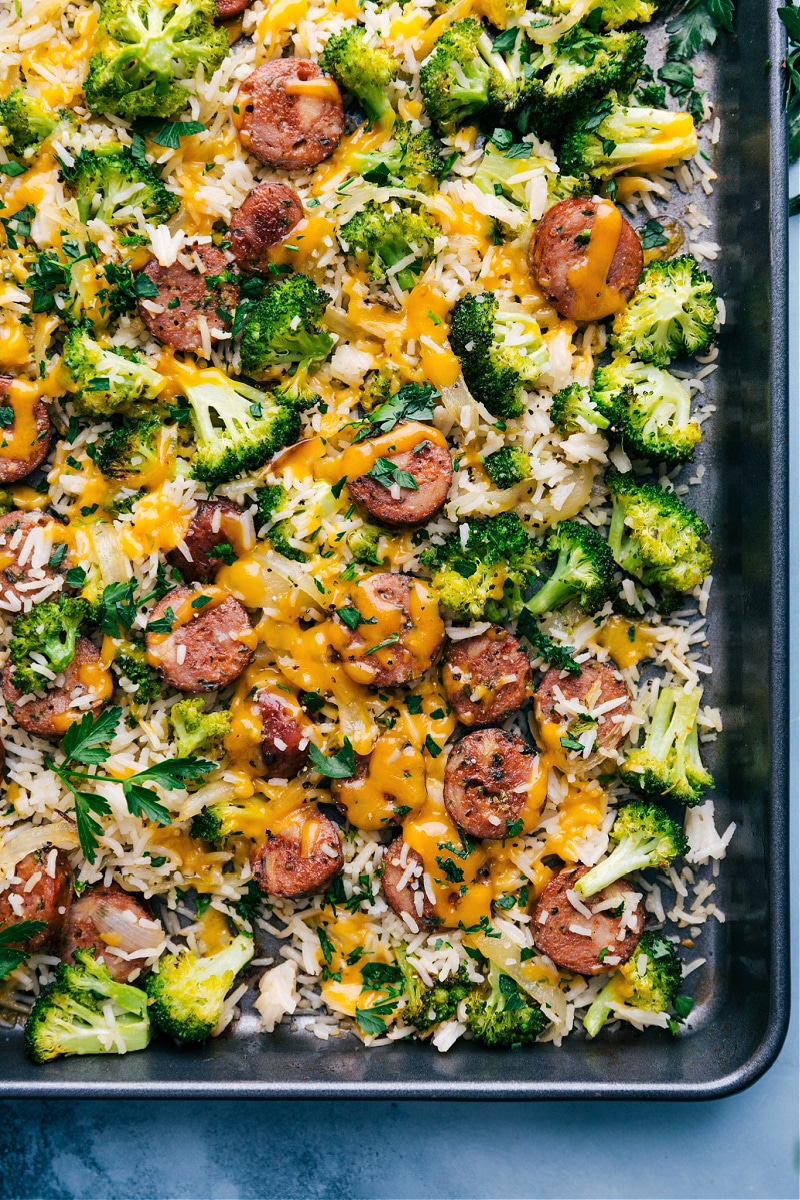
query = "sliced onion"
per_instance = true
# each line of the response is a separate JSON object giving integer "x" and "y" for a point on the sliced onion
{"x": 124, "y": 933}
{"x": 110, "y": 559}
{"x": 545, "y": 35}
{"x": 18, "y": 844}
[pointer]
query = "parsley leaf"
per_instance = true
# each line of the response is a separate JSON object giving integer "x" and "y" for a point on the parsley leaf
{"x": 653, "y": 235}
{"x": 12, "y": 938}
{"x": 412, "y": 403}
{"x": 85, "y": 740}
{"x": 386, "y": 473}
{"x": 337, "y": 766}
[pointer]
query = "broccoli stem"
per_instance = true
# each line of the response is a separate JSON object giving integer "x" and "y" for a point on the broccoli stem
{"x": 630, "y": 854}
{"x": 556, "y": 591}
{"x": 599, "y": 1010}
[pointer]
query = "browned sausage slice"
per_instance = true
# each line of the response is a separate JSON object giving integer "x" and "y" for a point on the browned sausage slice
{"x": 402, "y": 865}
{"x": 486, "y": 677}
{"x": 400, "y": 634}
{"x": 285, "y": 735}
{"x": 588, "y": 945}
{"x": 586, "y": 257}
{"x": 300, "y": 859}
{"x": 43, "y": 893}
{"x": 25, "y": 557}
{"x": 488, "y": 780}
{"x": 430, "y": 466}
{"x": 25, "y": 439}
{"x": 51, "y": 715}
{"x": 216, "y": 535}
{"x": 597, "y": 685}
{"x": 185, "y": 295}
{"x": 266, "y": 216}
{"x": 210, "y": 643}
{"x": 291, "y": 114}
{"x": 230, "y": 8}
{"x": 117, "y": 927}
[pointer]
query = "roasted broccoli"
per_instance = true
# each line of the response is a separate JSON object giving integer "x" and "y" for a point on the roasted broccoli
{"x": 187, "y": 993}
{"x": 611, "y": 137}
{"x": 364, "y": 544}
{"x": 488, "y": 573}
{"x": 195, "y": 730}
{"x": 83, "y": 1011}
{"x": 131, "y": 449}
{"x": 411, "y": 160}
{"x": 269, "y": 500}
{"x": 653, "y": 410}
{"x": 428, "y": 1005}
{"x": 24, "y": 121}
{"x": 49, "y": 631}
{"x": 500, "y": 1015}
{"x": 380, "y": 236}
{"x": 283, "y": 328}
{"x": 584, "y": 571}
{"x": 655, "y": 537}
{"x": 110, "y": 185}
{"x": 673, "y": 311}
{"x": 576, "y": 410}
{"x": 642, "y": 835}
{"x": 501, "y": 351}
{"x": 365, "y": 70}
{"x": 562, "y": 15}
{"x": 649, "y": 979}
{"x": 668, "y": 763}
{"x": 465, "y": 74}
{"x": 217, "y": 822}
{"x": 103, "y": 381}
{"x": 146, "y": 48}
{"x": 507, "y": 466}
{"x": 132, "y": 666}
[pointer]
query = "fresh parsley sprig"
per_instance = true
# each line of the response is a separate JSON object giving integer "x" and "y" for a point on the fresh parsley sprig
{"x": 791, "y": 19}
{"x": 12, "y": 938}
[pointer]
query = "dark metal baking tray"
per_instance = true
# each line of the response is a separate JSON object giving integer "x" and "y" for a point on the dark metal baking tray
{"x": 742, "y": 1006}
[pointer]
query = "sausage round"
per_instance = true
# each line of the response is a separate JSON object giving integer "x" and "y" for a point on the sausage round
{"x": 597, "y": 684}
{"x": 486, "y": 677}
{"x": 48, "y": 899}
{"x": 285, "y": 737}
{"x": 178, "y": 325}
{"x": 559, "y": 246}
{"x": 99, "y": 922}
{"x": 487, "y": 780}
{"x": 266, "y": 216}
{"x": 285, "y": 129}
{"x": 15, "y": 547}
{"x": 201, "y": 540}
{"x": 218, "y": 642}
{"x": 409, "y": 606}
{"x": 12, "y": 469}
{"x": 230, "y": 8}
{"x": 301, "y": 859}
{"x": 395, "y": 867}
{"x": 430, "y": 466}
{"x": 579, "y": 952}
{"x": 50, "y": 715}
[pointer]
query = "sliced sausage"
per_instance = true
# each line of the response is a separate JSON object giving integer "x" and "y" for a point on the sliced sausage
{"x": 412, "y": 898}
{"x": 588, "y": 945}
{"x": 285, "y": 128}
{"x": 597, "y": 685}
{"x": 401, "y": 633}
{"x": 301, "y": 859}
{"x": 487, "y": 781}
{"x": 50, "y": 715}
{"x": 28, "y": 456}
{"x": 486, "y": 677}
{"x": 230, "y": 8}
{"x": 563, "y": 245}
{"x": 285, "y": 735}
{"x": 209, "y": 646}
{"x": 430, "y": 466}
{"x": 215, "y": 523}
{"x": 187, "y": 294}
{"x": 25, "y": 559}
{"x": 44, "y": 893}
{"x": 116, "y": 927}
{"x": 266, "y": 216}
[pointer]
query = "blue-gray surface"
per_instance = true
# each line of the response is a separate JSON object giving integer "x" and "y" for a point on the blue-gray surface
{"x": 745, "y": 1146}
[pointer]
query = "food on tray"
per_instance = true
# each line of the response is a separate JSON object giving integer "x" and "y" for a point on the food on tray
{"x": 353, "y": 591}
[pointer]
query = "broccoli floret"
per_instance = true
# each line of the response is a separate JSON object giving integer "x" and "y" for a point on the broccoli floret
{"x": 218, "y": 822}
{"x": 102, "y": 380}
{"x": 584, "y": 571}
{"x": 656, "y": 537}
{"x": 575, "y": 410}
{"x": 269, "y": 500}
{"x": 50, "y": 629}
{"x": 381, "y": 235}
{"x": 146, "y": 48}
{"x": 649, "y": 979}
{"x": 465, "y": 74}
{"x": 187, "y": 993}
{"x": 70, "y": 1015}
{"x": 283, "y": 327}
{"x": 109, "y": 183}
{"x": 130, "y": 449}
{"x": 364, "y": 544}
{"x": 501, "y": 351}
{"x": 673, "y": 311}
{"x": 24, "y": 121}
{"x": 367, "y": 71}
{"x": 497, "y": 170}
{"x": 507, "y": 466}
{"x": 556, "y": 653}
{"x": 194, "y": 729}
{"x": 411, "y": 160}
{"x": 611, "y": 137}
{"x": 488, "y": 574}
{"x": 428, "y": 1005}
{"x": 7, "y": 502}
{"x": 379, "y": 386}
{"x": 565, "y": 14}
{"x": 642, "y": 835}
{"x": 502, "y": 1015}
{"x": 669, "y": 763}
{"x": 654, "y": 410}
{"x": 251, "y": 426}
{"x": 148, "y": 682}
